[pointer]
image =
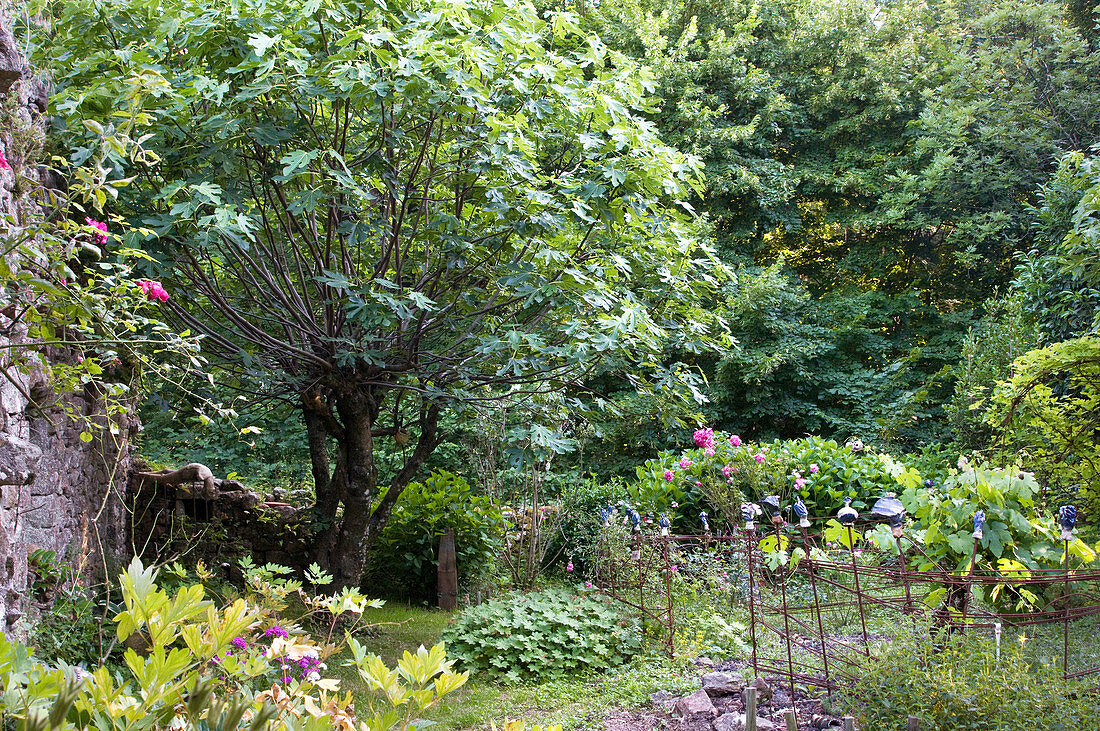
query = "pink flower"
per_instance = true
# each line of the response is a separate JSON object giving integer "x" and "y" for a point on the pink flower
{"x": 697, "y": 483}
{"x": 727, "y": 470}
{"x": 704, "y": 438}
{"x": 675, "y": 567}
{"x": 4, "y": 162}
{"x": 668, "y": 475}
{"x": 735, "y": 441}
{"x": 759, "y": 458}
{"x": 685, "y": 463}
{"x": 814, "y": 468}
{"x": 588, "y": 585}
{"x": 153, "y": 290}
{"x": 569, "y": 566}
{"x": 709, "y": 451}
{"x": 80, "y": 359}
{"x": 101, "y": 237}
{"x": 800, "y": 483}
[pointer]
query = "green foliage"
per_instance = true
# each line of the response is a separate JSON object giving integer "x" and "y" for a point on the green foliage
{"x": 955, "y": 682}
{"x": 1049, "y": 411}
{"x": 1003, "y": 334}
{"x": 70, "y": 280}
{"x": 548, "y": 634}
{"x": 469, "y": 205}
{"x": 840, "y": 365}
{"x": 1016, "y": 540}
{"x": 232, "y": 673}
{"x": 404, "y": 559}
{"x": 822, "y": 471}
{"x": 580, "y": 505}
{"x": 1053, "y": 279}
{"x": 262, "y": 447}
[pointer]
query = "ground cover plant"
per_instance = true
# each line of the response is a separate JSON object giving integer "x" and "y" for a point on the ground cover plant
{"x": 964, "y": 685}
{"x": 549, "y": 634}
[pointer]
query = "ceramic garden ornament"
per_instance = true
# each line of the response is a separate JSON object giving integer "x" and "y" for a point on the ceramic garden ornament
{"x": 847, "y": 515}
{"x": 889, "y": 507}
{"x": 665, "y": 524}
{"x": 979, "y": 523}
{"x": 703, "y": 519}
{"x": 771, "y": 502}
{"x": 802, "y": 513}
{"x": 749, "y": 511}
{"x": 1067, "y": 518}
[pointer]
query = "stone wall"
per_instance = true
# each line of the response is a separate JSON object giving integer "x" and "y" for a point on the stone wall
{"x": 218, "y": 523}
{"x": 57, "y": 492}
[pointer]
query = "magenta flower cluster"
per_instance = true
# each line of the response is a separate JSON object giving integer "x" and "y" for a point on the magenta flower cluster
{"x": 101, "y": 237}
{"x": 153, "y": 290}
{"x": 4, "y": 162}
{"x": 704, "y": 439}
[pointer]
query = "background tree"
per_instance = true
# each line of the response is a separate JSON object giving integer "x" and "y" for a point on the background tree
{"x": 387, "y": 212}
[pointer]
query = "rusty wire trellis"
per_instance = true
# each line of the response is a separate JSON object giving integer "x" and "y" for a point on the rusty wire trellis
{"x": 807, "y": 651}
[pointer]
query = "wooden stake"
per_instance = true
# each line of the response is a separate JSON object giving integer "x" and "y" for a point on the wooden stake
{"x": 447, "y": 574}
{"x": 849, "y": 723}
{"x": 912, "y": 724}
{"x": 750, "y": 709}
{"x": 792, "y": 722}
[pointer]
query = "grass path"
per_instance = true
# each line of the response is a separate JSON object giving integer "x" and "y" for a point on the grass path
{"x": 575, "y": 703}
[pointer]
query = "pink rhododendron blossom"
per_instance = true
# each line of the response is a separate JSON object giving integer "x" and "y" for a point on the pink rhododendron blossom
{"x": 735, "y": 441}
{"x": 101, "y": 237}
{"x": 727, "y": 470}
{"x": 668, "y": 475}
{"x": 704, "y": 438}
{"x": 709, "y": 451}
{"x": 569, "y": 566}
{"x": 153, "y": 290}
{"x": 800, "y": 483}
{"x": 814, "y": 468}
{"x": 759, "y": 458}
{"x": 685, "y": 463}
{"x": 4, "y": 162}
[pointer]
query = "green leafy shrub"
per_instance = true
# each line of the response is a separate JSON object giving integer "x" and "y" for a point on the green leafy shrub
{"x": 544, "y": 635}
{"x": 1050, "y": 410}
{"x": 404, "y": 559}
{"x": 1003, "y": 334}
{"x": 580, "y": 505}
{"x": 720, "y": 476}
{"x": 1016, "y": 539}
{"x": 191, "y": 665}
{"x": 957, "y": 683}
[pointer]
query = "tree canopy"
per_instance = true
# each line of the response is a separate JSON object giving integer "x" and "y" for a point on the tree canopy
{"x": 383, "y": 210}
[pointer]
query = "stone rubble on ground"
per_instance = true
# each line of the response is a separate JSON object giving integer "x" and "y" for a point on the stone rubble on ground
{"x": 694, "y": 705}
{"x": 723, "y": 683}
{"x": 764, "y": 691}
{"x": 736, "y": 722}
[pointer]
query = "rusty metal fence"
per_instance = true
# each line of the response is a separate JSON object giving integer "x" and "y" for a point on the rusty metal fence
{"x": 795, "y": 637}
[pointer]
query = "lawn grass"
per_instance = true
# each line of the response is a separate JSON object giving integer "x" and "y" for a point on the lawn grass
{"x": 574, "y": 703}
